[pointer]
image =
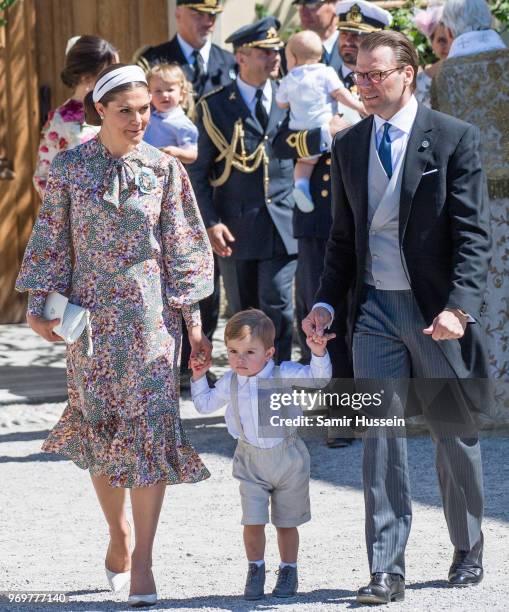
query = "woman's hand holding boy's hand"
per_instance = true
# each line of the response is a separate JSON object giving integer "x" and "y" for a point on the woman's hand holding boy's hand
{"x": 201, "y": 352}
{"x": 318, "y": 344}
{"x": 199, "y": 366}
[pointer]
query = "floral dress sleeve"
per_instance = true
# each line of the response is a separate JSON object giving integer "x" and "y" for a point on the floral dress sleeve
{"x": 52, "y": 141}
{"x": 187, "y": 253}
{"x": 47, "y": 263}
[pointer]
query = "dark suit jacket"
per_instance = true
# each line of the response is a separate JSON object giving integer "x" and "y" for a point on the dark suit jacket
{"x": 221, "y": 65}
{"x": 444, "y": 227}
{"x": 241, "y": 203}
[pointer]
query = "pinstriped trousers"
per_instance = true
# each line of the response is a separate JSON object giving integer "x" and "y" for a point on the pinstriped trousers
{"x": 389, "y": 346}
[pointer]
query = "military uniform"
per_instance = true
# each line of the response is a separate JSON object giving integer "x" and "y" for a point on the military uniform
{"x": 312, "y": 229}
{"x": 239, "y": 182}
{"x": 221, "y": 66}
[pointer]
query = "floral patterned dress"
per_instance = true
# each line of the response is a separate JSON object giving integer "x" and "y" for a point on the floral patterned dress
{"x": 141, "y": 259}
{"x": 64, "y": 129}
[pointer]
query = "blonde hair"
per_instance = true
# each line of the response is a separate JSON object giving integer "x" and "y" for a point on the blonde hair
{"x": 306, "y": 46}
{"x": 173, "y": 72}
{"x": 253, "y": 323}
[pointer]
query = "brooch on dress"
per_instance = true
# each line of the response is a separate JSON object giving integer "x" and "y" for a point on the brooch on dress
{"x": 146, "y": 180}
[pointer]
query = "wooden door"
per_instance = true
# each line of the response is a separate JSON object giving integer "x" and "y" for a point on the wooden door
{"x": 127, "y": 24}
{"x": 18, "y": 142}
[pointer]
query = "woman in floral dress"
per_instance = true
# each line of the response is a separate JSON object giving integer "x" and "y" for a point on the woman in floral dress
{"x": 119, "y": 232}
{"x": 66, "y": 127}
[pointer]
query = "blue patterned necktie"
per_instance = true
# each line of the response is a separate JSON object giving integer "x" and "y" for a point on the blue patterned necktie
{"x": 384, "y": 150}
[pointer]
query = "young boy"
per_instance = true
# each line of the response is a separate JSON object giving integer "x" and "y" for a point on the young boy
{"x": 311, "y": 90}
{"x": 274, "y": 469}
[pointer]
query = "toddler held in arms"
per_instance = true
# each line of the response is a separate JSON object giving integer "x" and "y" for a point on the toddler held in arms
{"x": 170, "y": 129}
{"x": 314, "y": 93}
{"x": 271, "y": 469}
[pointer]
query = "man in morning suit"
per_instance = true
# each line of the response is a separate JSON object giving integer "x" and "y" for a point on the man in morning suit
{"x": 410, "y": 239}
{"x": 207, "y": 67}
{"x": 312, "y": 229}
{"x": 244, "y": 192}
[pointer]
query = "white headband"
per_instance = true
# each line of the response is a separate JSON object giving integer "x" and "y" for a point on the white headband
{"x": 70, "y": 43}
{"x": 120, "y": 76}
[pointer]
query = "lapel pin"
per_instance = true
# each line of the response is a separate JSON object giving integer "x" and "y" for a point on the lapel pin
{"x": 425, "y": 144}
{"x": 232, "y": 96}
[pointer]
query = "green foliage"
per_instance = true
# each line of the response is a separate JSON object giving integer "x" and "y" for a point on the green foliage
{"x": 261, "y": 10}
{"x": 500, "y": 10}
{"x": 5, "y": 4}
{"x": 403, "y": 23}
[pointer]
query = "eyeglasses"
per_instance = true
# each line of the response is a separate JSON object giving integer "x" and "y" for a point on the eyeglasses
{"x": 374, "y": 76}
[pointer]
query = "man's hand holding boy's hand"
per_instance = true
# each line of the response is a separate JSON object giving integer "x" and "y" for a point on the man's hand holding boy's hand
{"x": 318, "y": 344}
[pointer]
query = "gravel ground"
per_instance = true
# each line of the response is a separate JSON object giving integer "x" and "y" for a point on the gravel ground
{"x": 53, "y": 536}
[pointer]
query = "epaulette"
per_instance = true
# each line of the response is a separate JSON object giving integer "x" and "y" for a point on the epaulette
{"x": 211, "y": 93}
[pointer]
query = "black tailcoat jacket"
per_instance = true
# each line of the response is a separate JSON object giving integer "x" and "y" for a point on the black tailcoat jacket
{"x": 443, "y": 229}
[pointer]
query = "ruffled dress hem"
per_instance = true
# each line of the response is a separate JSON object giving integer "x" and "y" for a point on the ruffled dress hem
{"x": 138, "y": 452}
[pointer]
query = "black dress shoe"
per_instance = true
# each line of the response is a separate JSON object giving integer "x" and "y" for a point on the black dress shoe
{"x": 382, "y": 589}
{"x": 466, "y": 568}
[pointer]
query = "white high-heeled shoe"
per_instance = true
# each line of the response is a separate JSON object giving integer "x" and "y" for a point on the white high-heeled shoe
{"x": 140, "y": 601}
{"x": 118, "y": 580}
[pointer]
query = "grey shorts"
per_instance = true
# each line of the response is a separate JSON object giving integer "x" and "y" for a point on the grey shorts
{"x": 279, "y": 475}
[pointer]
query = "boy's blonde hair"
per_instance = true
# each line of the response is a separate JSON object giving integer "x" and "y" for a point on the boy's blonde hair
{"x": 173, "y": 72}
{"x": 253, "y": 323}
{"x": 306, "y": 46}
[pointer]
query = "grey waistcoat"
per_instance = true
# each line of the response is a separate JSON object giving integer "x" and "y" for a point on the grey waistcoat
{"x": 384, "y": 268}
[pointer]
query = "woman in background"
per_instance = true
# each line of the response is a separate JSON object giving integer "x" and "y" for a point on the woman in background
{"x": 66, "y": 127}
{"x": 429, "y": 23}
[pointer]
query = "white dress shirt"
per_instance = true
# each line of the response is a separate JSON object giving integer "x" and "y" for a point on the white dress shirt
{"x": 188, "y": 51}
{"x": 208, "y": 400}
{"x": 248, "y": 93}
{"x": 401, "y": 126}
{"x": 345, "y": 71}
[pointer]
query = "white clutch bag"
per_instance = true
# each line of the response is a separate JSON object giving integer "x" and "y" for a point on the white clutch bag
{"x": 73, "y": 319}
